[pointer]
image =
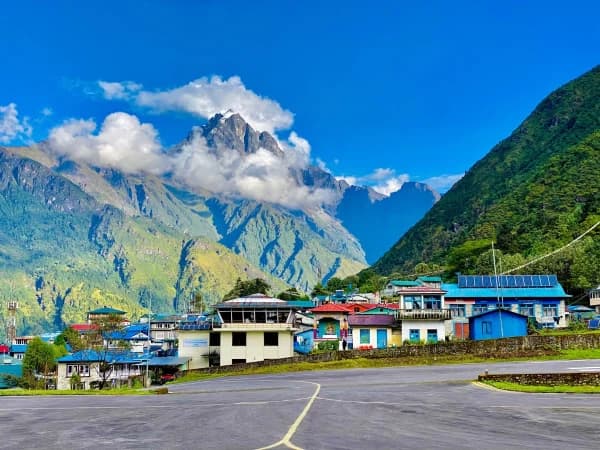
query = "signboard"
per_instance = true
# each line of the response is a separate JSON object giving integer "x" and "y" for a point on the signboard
{"x": 201, "y": 342}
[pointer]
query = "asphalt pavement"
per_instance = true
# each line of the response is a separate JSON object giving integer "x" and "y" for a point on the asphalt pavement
{"x": 426, "y": 407}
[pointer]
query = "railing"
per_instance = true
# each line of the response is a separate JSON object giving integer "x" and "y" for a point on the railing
{"x": 424, "y": 314}
{"x": 196, "y": 326}
{"x": 252, "y": 325}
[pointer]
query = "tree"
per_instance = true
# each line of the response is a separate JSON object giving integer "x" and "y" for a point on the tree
{"x": 39, "y": 361}
{"x": 71, "y": 337}
{"x": 334, "y": 284}
{"x": 292, "y": 294}
{"x": 319, "y": 289}
{"x": 248, "y": 287}
{"x": 104, "y": 343}
{"x": 196, "y": 304}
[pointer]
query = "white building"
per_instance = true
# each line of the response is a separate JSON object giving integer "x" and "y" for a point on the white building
{"x": 253, "y": 328}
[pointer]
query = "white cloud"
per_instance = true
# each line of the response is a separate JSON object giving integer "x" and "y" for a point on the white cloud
{"x": 122, "y": 143}
{"x": 128, "y": 145}
{"x": 296, "y": 151}
{"x": 383, "y": 180}
{"x": 352, "y": 181}
{"x": 47, "y": 112}
{"x": 391, "y": 185}
{"x": 11, "y": 128}
{"x": 322, "y": 165}
{"x": 119, "y": 90}
{"x": 261, "y": 176}
{"x": 206, "y": 97}
{"x": 443, "y": 182}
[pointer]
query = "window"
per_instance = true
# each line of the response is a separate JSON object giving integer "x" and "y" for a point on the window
{"x": 432, "y": 336}
{"x": 238, "y": 339}
{"x": 458, "y": 310}
{"x": 365, "y": 336}
{"x": 433, "y": 303}
{"x": 526, "y": 309}
{"x": 486, "y": 327}
{"x": 478, "y": 309}
{"x": 271, "y": 339}
{"x": 214, "y": 339}
{"x": 411, "y": 302}
{"x": 81, "y": 369}
{"x": 550, "y": 310}
{"x": 414, "y": 335}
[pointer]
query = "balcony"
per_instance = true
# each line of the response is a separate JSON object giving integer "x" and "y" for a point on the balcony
{"x": 424, "y": 314}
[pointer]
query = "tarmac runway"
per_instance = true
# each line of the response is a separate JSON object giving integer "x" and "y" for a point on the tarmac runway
{"x": 425, "y": 407}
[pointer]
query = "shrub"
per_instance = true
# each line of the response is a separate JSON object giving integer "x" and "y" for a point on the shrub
{"x": 329, "y": 346}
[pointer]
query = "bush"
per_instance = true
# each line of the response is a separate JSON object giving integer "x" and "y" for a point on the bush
{"x": 329, "y": 346}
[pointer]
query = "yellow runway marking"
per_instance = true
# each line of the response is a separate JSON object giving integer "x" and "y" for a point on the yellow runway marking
{"x": 287, "y": 439}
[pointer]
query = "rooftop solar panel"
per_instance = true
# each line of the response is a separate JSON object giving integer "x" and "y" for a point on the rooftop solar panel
{"x": 506, "y": 281}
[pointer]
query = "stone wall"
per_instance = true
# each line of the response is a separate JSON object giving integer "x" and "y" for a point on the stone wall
{"x": 547, "y": 379}
{"x": 505, "y": 348}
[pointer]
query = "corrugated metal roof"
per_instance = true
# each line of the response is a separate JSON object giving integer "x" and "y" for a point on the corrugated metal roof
{"x": 18, "y": 348}
{"x": 378, "y": 309}
{"x": 404, "y": 283}
{"x": 371, "y": 320}
{"x": 121, "y": 357}
{"x": 107, "y": 310}
{"x": 430, "y": 279}
{"x": 453, "y": 291}
{"x": 162, "y": 361}
{"x": 498, "y": 310}
{"x": 333, "y": 307}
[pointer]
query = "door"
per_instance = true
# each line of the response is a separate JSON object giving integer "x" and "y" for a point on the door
{"x": 381, "y": 338}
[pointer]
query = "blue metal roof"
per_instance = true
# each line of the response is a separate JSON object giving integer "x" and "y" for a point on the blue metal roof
{"x": 18, "y": 348}
{"x": 121, "y": 357}
{"x": 130, "y": 332}
{"x": 454, "y": 291}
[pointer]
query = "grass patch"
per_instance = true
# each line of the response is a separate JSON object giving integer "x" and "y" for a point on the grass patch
{"x": 543, "y": 389}
{"x": 31, "y": 392}
{"x": 565, "y": 331}
{"x": 576, "y": 353}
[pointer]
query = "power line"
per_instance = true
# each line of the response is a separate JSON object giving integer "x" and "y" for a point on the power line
{"x": 539, "y": 258}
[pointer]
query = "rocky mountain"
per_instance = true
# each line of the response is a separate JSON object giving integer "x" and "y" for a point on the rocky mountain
{"x": 363, "y": 210}
{"x": 74, "y": 236}
{"x": 532, "y": 193}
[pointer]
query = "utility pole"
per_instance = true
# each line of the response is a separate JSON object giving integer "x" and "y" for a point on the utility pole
{"x": 149, "y": 342}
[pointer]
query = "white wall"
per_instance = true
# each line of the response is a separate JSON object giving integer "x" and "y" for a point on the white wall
{"x": 372, "y": 336}
{"x": 423, "y": 326}
{"x": 255, "y": 349}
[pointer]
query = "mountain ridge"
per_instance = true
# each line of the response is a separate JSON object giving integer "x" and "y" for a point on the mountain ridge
{"x": 480, "y": 207}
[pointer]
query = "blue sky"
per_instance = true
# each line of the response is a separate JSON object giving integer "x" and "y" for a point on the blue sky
{"x": 381, "y": 91}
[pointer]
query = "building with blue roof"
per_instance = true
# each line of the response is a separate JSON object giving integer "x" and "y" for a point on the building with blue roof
{"x": 497, "y": 324}
{"x": 541, "y": 298}
{"x": 124, "y": 365}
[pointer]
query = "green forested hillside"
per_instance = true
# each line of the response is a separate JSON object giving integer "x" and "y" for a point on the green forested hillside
{"x": 534, "y": 192}
{"x": 62, "y": 253}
